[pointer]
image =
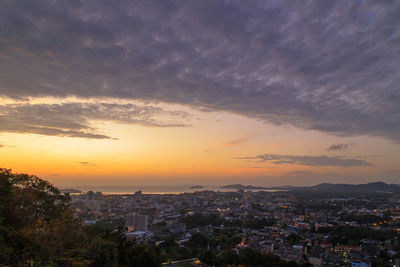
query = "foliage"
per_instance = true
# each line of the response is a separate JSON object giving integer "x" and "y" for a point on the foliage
{"x": 142, "y": 255}
{"x": 38, "y": 227}
{"x": 246, "y": 257}
{"x": 353, "y": 235}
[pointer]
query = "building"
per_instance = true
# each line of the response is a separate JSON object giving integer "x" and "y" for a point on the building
{"x": 347, "y": 249}
{"x": 90, "y": 196}
{"x": 136, "y": 222}
{"x": 360, "y": 264}
{"x": 177, "y": 227}
{"x": 138, "y": 195}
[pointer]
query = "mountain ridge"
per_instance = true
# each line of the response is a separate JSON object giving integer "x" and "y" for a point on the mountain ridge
{"x": 378, "y": 186}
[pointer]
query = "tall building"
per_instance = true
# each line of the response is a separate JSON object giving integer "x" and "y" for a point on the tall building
{"x": 90, "y": 196}
{"x": 138, "y": 195}
{"x": 136, "y": 222}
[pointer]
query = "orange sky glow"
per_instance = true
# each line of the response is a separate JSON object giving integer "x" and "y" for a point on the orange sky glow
{"x": 200, "y": 92}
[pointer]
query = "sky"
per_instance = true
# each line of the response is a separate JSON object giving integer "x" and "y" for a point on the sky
{"x": 200, "y": 92}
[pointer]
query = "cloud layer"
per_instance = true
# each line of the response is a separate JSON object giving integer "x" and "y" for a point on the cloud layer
{"x": 331, "y": 66}
{"x": 75, "y": 119}
{"x": 235, "y": 142}
{"x": 314, "y": 161}
{"x": 85, "y": 163}
{"x": 338, "y": 147}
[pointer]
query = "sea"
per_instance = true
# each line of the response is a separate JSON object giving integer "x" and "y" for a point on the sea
{"x": 159, "y": 189}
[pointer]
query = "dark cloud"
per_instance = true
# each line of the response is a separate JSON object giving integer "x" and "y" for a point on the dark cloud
{"x": 338, "y": 147}
{"x": 85, "y": 163}
{"x": 3, "y": 145}
{"x": 75, "y": 119}
{"x": 258, "y": 167}
{"x": 331, "y": 66}
{"x": 315, "y": 161}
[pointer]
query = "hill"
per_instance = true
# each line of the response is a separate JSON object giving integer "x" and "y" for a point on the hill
{"x": 326, "y": 187}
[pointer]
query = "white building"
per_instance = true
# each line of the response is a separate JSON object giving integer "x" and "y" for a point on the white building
{"x": 136, "y": 222}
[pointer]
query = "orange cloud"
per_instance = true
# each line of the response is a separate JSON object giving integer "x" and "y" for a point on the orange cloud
{"x": 232, "y": 142}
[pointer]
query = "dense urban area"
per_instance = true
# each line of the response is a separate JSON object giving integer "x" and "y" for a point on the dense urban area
{"x": 327, "y": 225}
{"x": 200, "y": 133}
{"x": 222, "y": 228}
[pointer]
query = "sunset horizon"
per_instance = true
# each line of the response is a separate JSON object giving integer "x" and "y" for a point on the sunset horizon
{"x": 204, "y": 93}
{"x": 176, "y": 133}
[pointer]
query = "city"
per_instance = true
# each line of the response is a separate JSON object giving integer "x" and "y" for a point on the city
{"x": 357, "y": 231}
{"x": 208, "y": 133}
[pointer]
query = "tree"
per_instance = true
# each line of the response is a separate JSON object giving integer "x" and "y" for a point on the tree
{"x": 36, "y": 220}
{"x": 102, "y": 252}
{"x": 142, "y": 255}
{"x": 5, "y": 251}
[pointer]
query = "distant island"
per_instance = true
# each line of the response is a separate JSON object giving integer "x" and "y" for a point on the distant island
{"x": 71, "y": 191}
{"x": 196, "y": 187}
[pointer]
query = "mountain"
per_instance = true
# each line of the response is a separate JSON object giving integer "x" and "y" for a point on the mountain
{"x": 326, "y": 187}
{"x": 196, "y": 187}
{"x": 369, "y": 187}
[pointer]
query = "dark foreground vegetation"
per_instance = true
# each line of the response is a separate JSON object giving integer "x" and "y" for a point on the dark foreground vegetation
{"x": 37, "y": 228}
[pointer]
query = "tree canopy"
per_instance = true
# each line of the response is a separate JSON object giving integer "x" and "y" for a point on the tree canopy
{"x": 37, "y": 227}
